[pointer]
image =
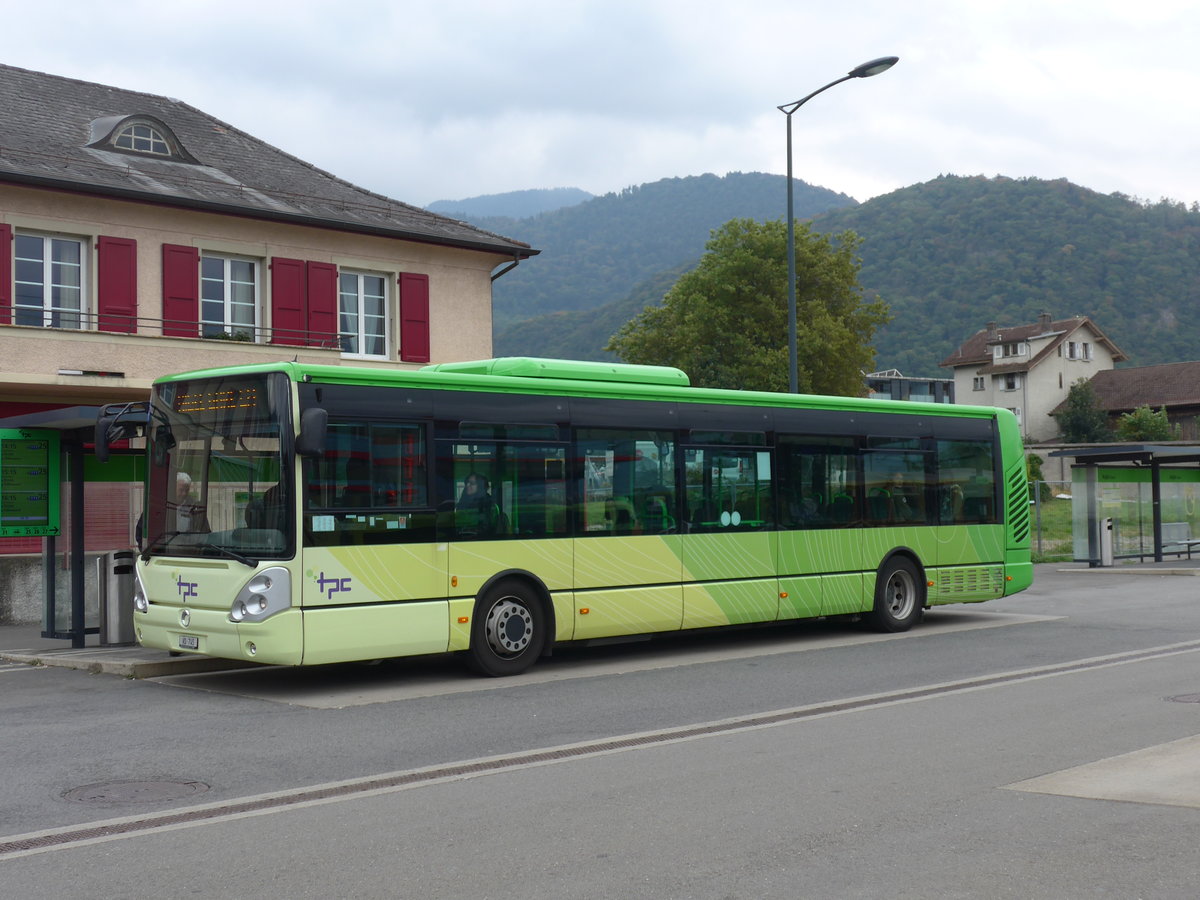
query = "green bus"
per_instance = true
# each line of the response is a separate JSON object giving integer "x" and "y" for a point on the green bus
{"x": 301, "y": 514}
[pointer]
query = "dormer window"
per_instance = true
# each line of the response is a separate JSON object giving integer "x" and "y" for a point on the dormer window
{"x": 138, "y": 135}
{"x": 142, "y": 139}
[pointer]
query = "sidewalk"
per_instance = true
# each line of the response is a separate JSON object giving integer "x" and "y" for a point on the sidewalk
{"x": 25, "y": 644}
{"x": 1173, "y": 566}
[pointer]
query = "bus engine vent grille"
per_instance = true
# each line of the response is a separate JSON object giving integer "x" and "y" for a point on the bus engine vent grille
{"x": 1018, "y": 507}
{"x": 982, "y": 582}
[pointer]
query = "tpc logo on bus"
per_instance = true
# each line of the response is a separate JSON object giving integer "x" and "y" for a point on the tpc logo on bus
{"x": 186, "y": 589}
{"x": 331, "y": 586}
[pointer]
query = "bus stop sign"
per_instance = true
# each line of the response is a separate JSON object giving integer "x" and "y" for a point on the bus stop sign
{"x": 29, "y": 482}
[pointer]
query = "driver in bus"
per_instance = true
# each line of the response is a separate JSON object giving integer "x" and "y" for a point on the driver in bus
{"x": 189, "y": 516}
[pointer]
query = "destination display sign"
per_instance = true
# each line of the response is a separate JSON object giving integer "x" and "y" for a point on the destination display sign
{"x": 29, "y": 482}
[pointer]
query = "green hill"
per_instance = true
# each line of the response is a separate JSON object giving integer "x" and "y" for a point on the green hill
{"x": 952, "y": 254}
{"x": 598, "y": 251}
{"x": 514, "y": 204}
{"x": 955, "y": 253}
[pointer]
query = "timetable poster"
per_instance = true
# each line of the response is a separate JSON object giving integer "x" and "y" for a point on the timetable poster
{"x": 28, "y": 483}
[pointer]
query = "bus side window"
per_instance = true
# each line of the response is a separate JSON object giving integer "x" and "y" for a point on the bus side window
{"x": 819, "y": 476}
{"x": 966, "y": 482}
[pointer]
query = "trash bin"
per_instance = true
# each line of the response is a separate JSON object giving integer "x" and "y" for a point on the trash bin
{"x": 115, "y": 587}
{"x": 1106, "y": 542}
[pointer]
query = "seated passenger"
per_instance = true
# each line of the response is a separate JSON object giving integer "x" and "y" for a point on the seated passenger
{"x": 476, "y": 512}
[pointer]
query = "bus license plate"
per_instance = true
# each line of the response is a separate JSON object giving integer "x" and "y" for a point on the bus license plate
{"x": 189, "y": 642}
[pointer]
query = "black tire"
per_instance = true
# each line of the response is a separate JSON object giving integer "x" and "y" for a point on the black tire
{"x": 508, "y": 630}
{"x": 899, "y": 596}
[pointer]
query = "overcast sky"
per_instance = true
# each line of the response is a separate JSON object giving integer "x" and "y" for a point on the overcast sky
{"x": 446, "y": 99}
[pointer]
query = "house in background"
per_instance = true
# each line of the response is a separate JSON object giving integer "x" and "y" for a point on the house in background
{"x": 1174, "y": 387}
{"x": 1029, "y": 369}
{"x": 141, "y": 236}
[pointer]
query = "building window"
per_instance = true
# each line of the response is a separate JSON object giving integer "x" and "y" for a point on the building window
{"x": 362, "y": 314}
{"x": 1016, "y": 411}
{"x": 1011, "y": 382}
{"x": 48, "y": 281}
{"x": 1079, "y": 350}
{"x": 977, "y": 383}
{"x": 1013, "y": 348}
{"x": 142, "y": 139}
{"x": 228, "y": 297}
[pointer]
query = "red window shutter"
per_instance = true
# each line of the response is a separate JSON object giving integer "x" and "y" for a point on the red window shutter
{"x": 414, "y": 317}
{"x": 322, "y": 304}
{"x": 6, "y": 274}
{"x": 181, "y": 291}
{"x": 117, "y": 284}
{"x": 289, "y": 304}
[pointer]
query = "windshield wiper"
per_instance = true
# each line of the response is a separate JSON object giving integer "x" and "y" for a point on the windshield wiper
{"x": 166, "y": 537}
{"x": 232, "y": 554}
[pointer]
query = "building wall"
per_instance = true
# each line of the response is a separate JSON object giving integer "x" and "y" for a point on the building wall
{"x": 36, "y": 362}
{"x": 459, "y": 284}
{"x": 1041, "y": 388}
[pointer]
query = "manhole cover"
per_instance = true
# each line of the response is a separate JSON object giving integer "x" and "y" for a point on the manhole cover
{"x": 1185, "y": 698}
{"x": 135, "y": 791}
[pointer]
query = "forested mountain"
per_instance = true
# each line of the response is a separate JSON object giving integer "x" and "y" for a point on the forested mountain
{"x": 514, "y": 204}
{"x": 952, "y": 254}
{"x": 597, "y": 252}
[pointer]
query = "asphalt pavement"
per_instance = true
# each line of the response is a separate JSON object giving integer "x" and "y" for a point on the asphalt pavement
{"x": 25, "y": 643}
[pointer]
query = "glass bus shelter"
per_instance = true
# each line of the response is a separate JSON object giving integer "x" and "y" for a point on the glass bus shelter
{"x": 1144, "y": 498}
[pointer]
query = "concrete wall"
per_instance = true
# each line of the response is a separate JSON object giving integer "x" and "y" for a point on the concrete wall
{"x": 22, "y": 595}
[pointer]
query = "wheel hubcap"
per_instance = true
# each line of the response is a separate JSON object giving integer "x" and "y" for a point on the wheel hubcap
{"x": 509, "y": 627}
{"x": 901, "y": 595}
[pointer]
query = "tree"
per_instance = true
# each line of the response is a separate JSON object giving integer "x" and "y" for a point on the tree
{"x": 1082, "y": 421}
{"x": 1143, "y": 424}
{"x": 725, "y": 322}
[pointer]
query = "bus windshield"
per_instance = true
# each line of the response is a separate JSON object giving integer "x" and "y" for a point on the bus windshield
{"x": 217, "y": 486}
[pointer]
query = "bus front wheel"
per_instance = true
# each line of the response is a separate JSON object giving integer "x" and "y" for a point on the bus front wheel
{"x": 899, "y": 596}
{"x": 508, "y": 630}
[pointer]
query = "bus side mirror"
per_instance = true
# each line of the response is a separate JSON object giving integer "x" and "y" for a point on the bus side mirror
{"x": 110, "y": 428}
{"x": 314, "y": 422}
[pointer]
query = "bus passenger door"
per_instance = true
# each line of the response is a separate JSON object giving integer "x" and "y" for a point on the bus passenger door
{"x": 627, "y": 553}
{"x": 729, "y": 547}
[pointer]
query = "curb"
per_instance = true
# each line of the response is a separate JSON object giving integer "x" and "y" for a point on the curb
{"x": 131, "y": 663}
{"x": 1129, "y": 570}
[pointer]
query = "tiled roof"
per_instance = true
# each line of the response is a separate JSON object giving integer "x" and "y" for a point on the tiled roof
{"x": 47, "y": 123}
{"x": 1121, "y": 390}
{"x": 977, "y": 348}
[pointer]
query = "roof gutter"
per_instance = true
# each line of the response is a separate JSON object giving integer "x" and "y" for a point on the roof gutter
{"x": 516, "y": 261}
{"x": 510, "y": 247}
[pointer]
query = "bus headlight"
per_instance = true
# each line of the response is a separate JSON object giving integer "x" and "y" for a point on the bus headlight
{"x": 265, "y": 594}
{"x": 140, "y": 602}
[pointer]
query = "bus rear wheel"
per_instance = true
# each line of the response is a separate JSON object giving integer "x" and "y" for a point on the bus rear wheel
{"x": 899, "y": 596}
{"x": 508, "y": 630}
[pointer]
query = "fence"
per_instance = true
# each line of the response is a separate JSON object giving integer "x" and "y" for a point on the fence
{"x": 1051, "y": 513}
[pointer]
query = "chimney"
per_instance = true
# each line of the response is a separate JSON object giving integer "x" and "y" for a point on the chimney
{"x": 992, "y": 334}
{"x": 1044, "y": 320}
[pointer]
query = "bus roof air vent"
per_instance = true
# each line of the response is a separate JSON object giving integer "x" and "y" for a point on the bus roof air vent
{"x": 567, "y": 369}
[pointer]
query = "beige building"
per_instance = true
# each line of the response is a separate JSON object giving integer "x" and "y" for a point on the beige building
{"x": 141, "y": 236}
{"x": 1029, "y": 369}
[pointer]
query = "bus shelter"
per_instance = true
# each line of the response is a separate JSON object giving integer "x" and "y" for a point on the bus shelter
{"x": 1134, "y": 501}
{"x": 76, "y": 428}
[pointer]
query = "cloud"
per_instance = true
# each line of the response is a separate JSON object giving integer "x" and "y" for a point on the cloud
{"x": 459, "y": 98}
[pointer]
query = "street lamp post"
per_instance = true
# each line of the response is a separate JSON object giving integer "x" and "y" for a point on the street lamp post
{"x": 866, "y": 70}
